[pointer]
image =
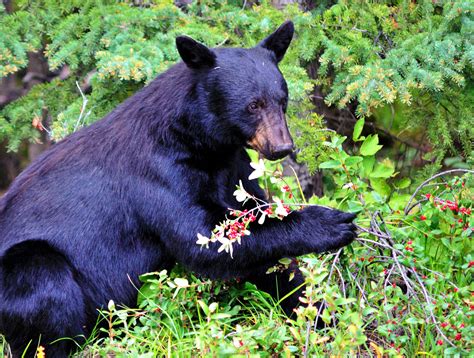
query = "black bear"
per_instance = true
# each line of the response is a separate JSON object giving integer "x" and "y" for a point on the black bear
{"x": 128, "y": 195}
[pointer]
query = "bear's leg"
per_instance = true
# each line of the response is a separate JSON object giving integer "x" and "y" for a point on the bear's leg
{"x": 40, "y": 300}
{"x": 279, "y": 285}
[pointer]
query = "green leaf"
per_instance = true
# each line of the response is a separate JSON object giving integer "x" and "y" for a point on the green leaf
{"x": 368, "y": 166}
{"x": 204, "y": 307}
{"x": 377, "y": 197}
{"x": 353, "y": 160}
{"x": 370, "y": 145}
{"x": 402, "y": 183}
{"x": 358, "y": 129}
{"x": 330, "y": 164}
{"x": 354, "y": 206}
{"x": 285, "y": 261}
{"x": 398, "y": 201}
{"x": 221, "y": 315}
{"x": 368, "y": 311}
{"x": 412, "y": 320}
{"x": 344, "y": 301}
{"x": 446, "y": 242}
{"x": 326, "y": 317}
{"x": 380, "y": 186}
{"x": 382, "y": 171}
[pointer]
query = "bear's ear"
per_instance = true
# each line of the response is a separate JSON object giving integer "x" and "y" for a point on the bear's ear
{"x": 194, "y": 54}
{"x": 279, "y": 41}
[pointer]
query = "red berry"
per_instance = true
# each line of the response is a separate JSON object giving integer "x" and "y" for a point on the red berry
{"x": 439, "y": 342}
{"x": 422, "y": 217}
{"x": 444, "y": 324}
{"x": 458, "y": 337}
{"x": 471, "y": 263}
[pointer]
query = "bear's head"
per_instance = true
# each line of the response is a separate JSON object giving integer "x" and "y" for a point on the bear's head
{"x": 243, "y": 91}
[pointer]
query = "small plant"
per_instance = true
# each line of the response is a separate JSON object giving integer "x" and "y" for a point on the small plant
{"x": 237, "y": 224}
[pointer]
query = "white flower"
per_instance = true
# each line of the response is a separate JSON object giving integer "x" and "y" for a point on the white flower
{"x": 203, "y": 240}
{"x": 218, "y": 232}
{"x": 226, "y": 245}
{"x": 348, "y": 185}
{"x": 280, "y": 210}
{"x": 181, "y": 282}
{"x": 259, "y": 170}
{"x": 240, "y": 194}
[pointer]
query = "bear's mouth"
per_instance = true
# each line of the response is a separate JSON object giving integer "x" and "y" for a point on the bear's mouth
{"x": 272, "y": 140}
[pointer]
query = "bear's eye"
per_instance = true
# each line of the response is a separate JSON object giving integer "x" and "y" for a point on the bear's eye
{"x": 253, "y": 106}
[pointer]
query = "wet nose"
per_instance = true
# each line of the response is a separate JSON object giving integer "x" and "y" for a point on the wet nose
{"x": 282, "y": 150}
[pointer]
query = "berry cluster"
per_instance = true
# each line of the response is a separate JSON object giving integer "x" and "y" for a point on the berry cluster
{"x": 233, "y": 229}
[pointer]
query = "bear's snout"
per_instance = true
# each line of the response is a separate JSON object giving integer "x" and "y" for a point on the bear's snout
{"x": 272, "y": 137}
{"x": 282, "y": 151}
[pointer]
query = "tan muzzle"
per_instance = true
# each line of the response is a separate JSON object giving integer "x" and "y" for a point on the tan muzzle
{"x": 272, "y": 137}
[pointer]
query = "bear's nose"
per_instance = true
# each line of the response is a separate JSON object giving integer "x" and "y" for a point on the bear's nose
{"x": 282, "y": 150}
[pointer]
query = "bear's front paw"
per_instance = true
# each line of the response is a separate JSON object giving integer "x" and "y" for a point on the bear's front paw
{"x": 329, "y": 229}
{"x": 342, "y": 230}
{"x": 333, "y": 229}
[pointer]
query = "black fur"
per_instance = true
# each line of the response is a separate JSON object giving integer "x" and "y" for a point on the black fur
{"x": 128, "y": 195}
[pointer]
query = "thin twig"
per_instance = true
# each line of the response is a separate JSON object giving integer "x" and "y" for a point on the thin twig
{"x": 385, "y": 246}
{"x": 83, "y": 108}
{"x": 306, "y": 343}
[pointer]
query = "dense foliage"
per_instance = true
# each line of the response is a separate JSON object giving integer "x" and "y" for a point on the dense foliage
{"x": 400, "y": 67}
{"x": 403, "y": 288}
{"x": 415, "y": 59}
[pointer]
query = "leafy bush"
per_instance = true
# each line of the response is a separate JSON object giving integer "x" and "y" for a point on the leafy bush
{"x": 402, "y": 288}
